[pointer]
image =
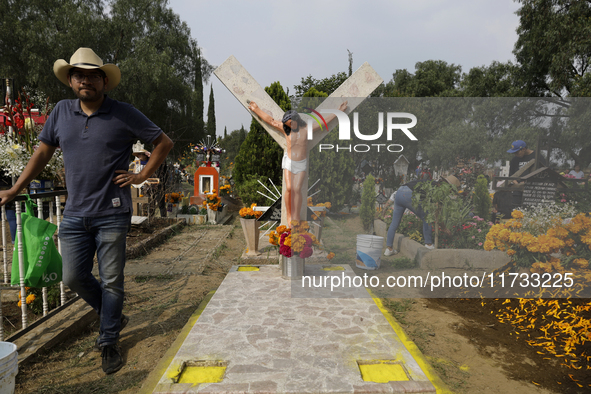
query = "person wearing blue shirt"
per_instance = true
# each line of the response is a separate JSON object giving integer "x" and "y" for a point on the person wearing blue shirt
{"x": 95, "y": 134}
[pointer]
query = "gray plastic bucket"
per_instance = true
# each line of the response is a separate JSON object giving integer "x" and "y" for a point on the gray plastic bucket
{"x": 369, "y": 251}
{"x": 8, "y": 367}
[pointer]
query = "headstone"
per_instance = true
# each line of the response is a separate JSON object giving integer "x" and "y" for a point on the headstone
{"x": 273, "y": 213}
{"x": 540, "y": 187}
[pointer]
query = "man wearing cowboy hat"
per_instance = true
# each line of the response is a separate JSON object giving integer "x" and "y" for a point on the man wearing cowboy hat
{"x": 96, "y": 134}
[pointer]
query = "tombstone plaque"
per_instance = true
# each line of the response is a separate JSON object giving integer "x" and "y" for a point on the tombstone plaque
{"x": 540, "y": 187}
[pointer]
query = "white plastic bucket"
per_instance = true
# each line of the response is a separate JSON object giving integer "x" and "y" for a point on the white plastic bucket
{"x": 8, "y": 367}
{"x": 369, "y": 250}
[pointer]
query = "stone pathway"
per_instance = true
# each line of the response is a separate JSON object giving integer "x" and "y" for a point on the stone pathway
{"x": 270, "y": 342}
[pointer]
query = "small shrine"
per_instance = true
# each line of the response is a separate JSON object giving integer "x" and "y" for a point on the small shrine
{"x": 207, "y": 176}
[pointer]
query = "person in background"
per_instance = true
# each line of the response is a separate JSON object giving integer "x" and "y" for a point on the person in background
{"x": 577, "y": 173}
{"x": 402, "y": 199}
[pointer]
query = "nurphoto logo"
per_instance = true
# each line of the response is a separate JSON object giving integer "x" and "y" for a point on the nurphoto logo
{"x": 392, "y": 123}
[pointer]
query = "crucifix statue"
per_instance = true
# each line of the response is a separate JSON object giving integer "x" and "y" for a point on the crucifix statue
{"x": 291, "y": 132}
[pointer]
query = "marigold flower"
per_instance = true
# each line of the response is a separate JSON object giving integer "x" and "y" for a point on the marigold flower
{"x": 517, "y": 214}
{"x": 581, "y": 263}
{"x": 30, "y": 298}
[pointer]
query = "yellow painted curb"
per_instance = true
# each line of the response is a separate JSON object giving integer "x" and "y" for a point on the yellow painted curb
{"x": 412, "y": 348}
{"x": 154, "y": 377}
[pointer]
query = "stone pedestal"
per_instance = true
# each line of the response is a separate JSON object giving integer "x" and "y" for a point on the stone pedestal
{"x": 250, "y": 227}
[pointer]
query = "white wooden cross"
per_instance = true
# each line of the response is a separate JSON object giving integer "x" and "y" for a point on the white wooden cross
{"x": 244, "y": 87}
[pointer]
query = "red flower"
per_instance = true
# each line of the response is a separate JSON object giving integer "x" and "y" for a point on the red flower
{"x": 20, "y": 122}
{"x": 285, "y": 251}
{"x": 306, "y": 252}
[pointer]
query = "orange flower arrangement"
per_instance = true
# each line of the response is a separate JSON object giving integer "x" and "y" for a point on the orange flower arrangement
{"x": 173, "y": 198}
{"x": 212, "y": 201}
{"x": 250, "y": 213}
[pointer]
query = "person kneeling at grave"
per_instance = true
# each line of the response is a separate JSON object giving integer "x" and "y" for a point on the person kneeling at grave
{"x": 402, "y": 199}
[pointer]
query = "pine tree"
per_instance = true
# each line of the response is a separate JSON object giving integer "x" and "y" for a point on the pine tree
{"x": 198, "y": 105}
{"x": 225, "y": 131}
{"x": 211, "y": 114}
{"x": 242, "y": 134}
{"x": 259, "y": 154}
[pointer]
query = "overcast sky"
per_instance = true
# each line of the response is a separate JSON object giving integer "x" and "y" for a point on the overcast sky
{"x": 389, "y": 34}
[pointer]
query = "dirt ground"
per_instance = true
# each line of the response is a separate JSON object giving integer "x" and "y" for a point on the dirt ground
{"x": 469, "y": 350}
{"x": 158, "y": 305}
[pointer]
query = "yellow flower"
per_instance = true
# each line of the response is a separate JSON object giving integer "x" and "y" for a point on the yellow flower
{"x": 581, "y": 263}
{"x": 30, "y": 298}
{"x": 517, "y": 214}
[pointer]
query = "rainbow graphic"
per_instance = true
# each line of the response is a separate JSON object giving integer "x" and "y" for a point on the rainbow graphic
{"x": 312, "y": 112}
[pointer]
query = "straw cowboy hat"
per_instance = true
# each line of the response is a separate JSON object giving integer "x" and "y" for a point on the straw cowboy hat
{"x": 452, "y": 180}
{"x": 86, "y": 58}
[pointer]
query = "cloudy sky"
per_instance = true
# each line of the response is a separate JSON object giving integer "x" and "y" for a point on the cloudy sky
{"x": 389, "y": 34}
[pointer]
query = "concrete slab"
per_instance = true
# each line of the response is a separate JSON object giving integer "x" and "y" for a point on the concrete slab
{"x": 444, "y": 258}
{"x": 274, "y": 343}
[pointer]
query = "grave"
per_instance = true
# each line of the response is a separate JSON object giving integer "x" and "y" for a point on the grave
{"x": 257, "y": 338}
{"x": 541, "y": 186}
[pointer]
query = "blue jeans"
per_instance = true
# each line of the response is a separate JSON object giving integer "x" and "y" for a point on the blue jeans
{"x": 402, "y": 202}
{"x": 80, "y": 238}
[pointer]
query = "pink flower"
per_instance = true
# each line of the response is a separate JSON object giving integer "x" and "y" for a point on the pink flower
{"x": 306, "y": 252}
{"x": 563, "y": 200}
{"x": 479, "y": 230}
{"x": 479, "y": 243}
{"x": 473, "y": 236}
{"x": 308, "y": 240}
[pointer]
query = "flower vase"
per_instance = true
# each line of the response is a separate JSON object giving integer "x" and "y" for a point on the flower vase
{"x": 250, "y": 227}
{"x": 212, "y": 216}
{"x": 292, "y": 268}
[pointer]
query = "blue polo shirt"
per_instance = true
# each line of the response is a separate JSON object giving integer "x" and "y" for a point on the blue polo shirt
{"x": 94, "y": 147}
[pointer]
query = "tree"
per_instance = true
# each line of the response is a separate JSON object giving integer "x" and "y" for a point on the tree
{"x": 496, "y": 80}
{"x": 225, "y": 131}
{"x": 553, "y": 48}
{"x": 335, "y": 170}
{"x": 198, "y": 105}
{"x": 211, "y": 127}
{"x": 432, "y": 78}
{"x": 325, "y": 85}
{"x": 145, "y": 38}
{"x": 231, "y": 143}
{"x": 259, "y": 154}
{"x": 350, "y": 62}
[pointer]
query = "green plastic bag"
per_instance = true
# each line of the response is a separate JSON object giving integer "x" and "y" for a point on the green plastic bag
{"x": 42, "y": 261}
